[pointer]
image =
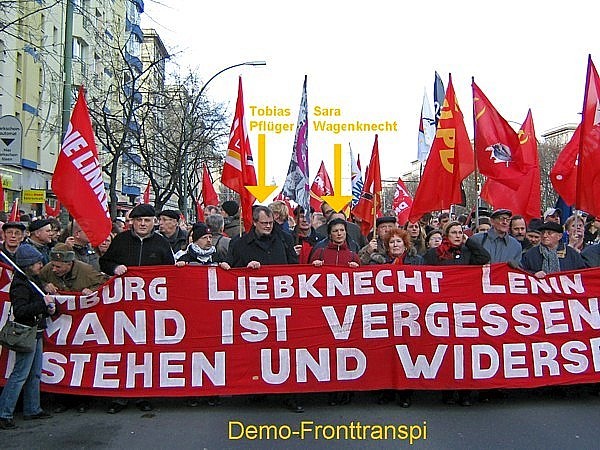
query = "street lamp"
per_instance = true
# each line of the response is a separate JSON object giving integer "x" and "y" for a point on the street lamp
{"x": 196, "y": 100}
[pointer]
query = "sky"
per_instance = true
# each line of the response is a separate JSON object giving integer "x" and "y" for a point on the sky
{"x": 371, "y": 62}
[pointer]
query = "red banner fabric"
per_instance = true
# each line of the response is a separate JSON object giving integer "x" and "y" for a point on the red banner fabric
{"x": 168, "y": 331}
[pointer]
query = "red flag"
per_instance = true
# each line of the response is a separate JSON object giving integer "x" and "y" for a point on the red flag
{"x": 199, "y": 212}
{"x": 14, "y": 215}
{"x": 564, "y": 172}
{"x": 369, "y": 204}
{"x": 402, "y": 202}
{"x": 450, "y": 161}
{"x": 146, "y": 196}
{"x": 77, "y": 180}
{"x": 497, "y": 147}
{"x": 588, "y": 168}
{"x": 209, "y": 195}
{"x": 321, "y": 186}
{"x": 238, "y": 170}
{"x": 50, "y": 211}
{"x": 525, "y": 200}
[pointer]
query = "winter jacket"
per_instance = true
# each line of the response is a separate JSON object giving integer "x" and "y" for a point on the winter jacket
{"x": 28, "y": 305}
{"x": 470, "y": 253}
{"x": 179, "y": 240}
{"x": 81, "y": 276}
{"x": 568, "y": 259}
{"x": 274, "y": 248}
{"x": 335, "y": 254}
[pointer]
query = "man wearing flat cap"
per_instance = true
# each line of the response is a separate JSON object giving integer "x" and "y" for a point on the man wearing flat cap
{"x": 64, "y": 273}
{"x": 139, "y": 246}
{"x": 501, "y": 246}
{"x": 14, "y": 233}
{"x": 552, "y": 255}
{"x": 383, "y": 226}
{"x": 168, "y": 227}
{"x": 40, "y": 236}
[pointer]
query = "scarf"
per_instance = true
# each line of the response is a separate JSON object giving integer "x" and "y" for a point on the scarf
{"x": 446, "y": 250}
{"x": 201, "y": 255}
{"x": 550, "y": 260}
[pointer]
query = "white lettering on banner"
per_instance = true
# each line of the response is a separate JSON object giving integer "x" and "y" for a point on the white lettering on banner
{"x": 251, "y": 321}
{"x": 351, "y": 364}
{"x": 109, "y": 373}
{"x": 90, "y": 329}
{"x": 305, "y": 285}
{"x": 421, "y": 366}
{"x": 123, "y": 289}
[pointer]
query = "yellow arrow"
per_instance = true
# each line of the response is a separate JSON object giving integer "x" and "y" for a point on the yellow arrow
{"x": 337, "y": 201}
{"x": 261, "y": 191}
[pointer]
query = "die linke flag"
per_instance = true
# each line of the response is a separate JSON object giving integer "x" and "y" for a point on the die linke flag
{"x": 77, "y": 180}
{"x": 238, "y": 170}
{"x": 525, "y": 200}
{"x": 450, "y": 161}
{"x": 321, "y": 186}
{"x": 497, "y": 146}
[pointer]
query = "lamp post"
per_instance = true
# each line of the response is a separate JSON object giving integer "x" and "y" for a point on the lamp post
{"x": 196, "y": 100}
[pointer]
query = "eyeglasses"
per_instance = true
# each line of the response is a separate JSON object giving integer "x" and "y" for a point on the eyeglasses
{"x": 266, "y": 224}
{"x": 503, "y": 219}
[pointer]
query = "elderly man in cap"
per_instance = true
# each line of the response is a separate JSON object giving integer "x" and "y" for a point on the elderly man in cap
{"x": 64, "y": 273}
{"x": 14, "y": 233}
{"x": 80, "y": 244}
{"x": 552, "y": 255}
{"x": 384, "y": 225}
{"x": 140, "y": 246}
{"x": 40, "y": 236}
{"x": 168, "y": 226}
{"x": 501, "y": 246}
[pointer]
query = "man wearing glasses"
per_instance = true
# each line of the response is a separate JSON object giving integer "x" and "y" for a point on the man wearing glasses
{"x": 261, "y": 245}
{"x": 498, "y": 242}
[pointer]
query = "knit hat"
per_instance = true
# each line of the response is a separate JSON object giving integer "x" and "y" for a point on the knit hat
{"x": 62, "y": 253}
{"x": 37, "y": 224}
{"x": 199, "y": 229}
{"x": 142, "y": 210}
{"x": 27, "y": 255}
{"x": 230, "y": 207}
{"x": 170, "y": 213}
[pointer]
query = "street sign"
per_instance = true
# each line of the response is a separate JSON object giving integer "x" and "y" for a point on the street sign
{"x": 11, "y": 138}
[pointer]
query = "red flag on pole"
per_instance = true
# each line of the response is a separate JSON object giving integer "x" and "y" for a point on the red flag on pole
{"x": 497, "y": 146}
{"x": 209, "y": 195}
{"x": 525, "y": 200}
{"x": 238, "y": 170}
{"x": 146, "y": 196}
{"x": 402, "y": 202}
{"x": 14, "y": 215}
{"x": 77, "y": 180}
{"x": 588, "y": 168}
{"x": 321, "y": 186}
{"x": 450, "y": 161}
{"x": 369, "y": 204}
{"x": 564, "y": 172}
{"x": 50, "y": 211}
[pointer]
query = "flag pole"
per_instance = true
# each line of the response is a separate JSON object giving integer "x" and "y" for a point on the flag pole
{"x": 18, "y": 269}
{"x": 475, "y": 171}
{"x": 580, "y": 149}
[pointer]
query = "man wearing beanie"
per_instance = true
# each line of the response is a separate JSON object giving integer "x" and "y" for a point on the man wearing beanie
{"x": 201, "y": 250}
{"x": 138, "y": 246}
{"x": 231, "y": 215}
{"x": 168, "y": 226}
{"x": 40, "y": 237}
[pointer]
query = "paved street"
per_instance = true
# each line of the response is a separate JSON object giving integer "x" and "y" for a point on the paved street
{"x": 522, "y": 420}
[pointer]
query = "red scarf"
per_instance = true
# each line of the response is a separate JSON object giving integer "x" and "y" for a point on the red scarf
{"x": 446, "y": 250}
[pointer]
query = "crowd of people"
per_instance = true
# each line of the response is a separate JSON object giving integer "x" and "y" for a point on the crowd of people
{"x": 59, "y": 260}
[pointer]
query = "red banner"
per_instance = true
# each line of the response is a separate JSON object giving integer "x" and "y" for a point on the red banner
{"x": 168, "y": 331}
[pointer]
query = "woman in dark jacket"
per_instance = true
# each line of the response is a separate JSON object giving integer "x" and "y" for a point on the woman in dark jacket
{"x": 454, "y": 250}
{"x": 336, "y": 252}
{"x": 29, "y": 308}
